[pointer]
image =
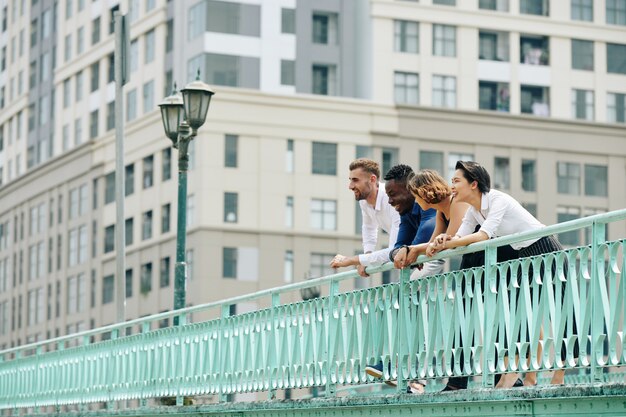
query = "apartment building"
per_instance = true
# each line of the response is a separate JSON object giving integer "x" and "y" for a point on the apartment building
{"x": 302, "y": 89}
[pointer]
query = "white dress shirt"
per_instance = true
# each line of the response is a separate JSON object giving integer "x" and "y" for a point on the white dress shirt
{"x": 383, "y": 216}
{"x": 500, "y": 215}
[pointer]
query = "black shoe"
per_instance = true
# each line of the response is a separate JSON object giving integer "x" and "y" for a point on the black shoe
{"x": 375, "y": 370}
{"x": 518, "y": 383}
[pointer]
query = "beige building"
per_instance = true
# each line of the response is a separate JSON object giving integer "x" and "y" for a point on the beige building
{"x": 268, "y": 201}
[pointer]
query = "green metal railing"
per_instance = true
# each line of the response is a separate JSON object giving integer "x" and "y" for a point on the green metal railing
{"x": 472, "y": 322}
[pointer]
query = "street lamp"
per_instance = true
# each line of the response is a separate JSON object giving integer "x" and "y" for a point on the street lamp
{"x": 182, "y": 117}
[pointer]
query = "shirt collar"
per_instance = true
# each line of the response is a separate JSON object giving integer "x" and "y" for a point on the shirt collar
{"x": 380, "y": 197}
{"x": 484, "y": 202}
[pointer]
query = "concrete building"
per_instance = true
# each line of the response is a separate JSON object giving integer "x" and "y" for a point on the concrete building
{"x": 268, "y": 200}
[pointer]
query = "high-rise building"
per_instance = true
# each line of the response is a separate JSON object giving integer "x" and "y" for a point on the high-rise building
{"x": 534, "y": 90}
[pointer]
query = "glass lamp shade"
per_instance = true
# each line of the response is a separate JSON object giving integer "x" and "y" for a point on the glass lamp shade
{"x": 197, "y": 97}
{"x": 172, "y": 113}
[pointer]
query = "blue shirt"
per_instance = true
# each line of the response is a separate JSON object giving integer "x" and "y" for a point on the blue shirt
{"x": 416, "y": 226}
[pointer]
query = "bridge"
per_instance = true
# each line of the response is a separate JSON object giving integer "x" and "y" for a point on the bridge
{"x": 559, "y": 311}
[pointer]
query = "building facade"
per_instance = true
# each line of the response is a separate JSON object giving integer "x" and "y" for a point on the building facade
{"x": 267, "y": 200}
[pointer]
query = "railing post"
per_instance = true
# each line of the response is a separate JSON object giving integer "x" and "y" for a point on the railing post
{"x": 489, "y": 308}
{"x": 275, "y": 335}
{"x": 597, "y": 266}
{"x": 401, "y": 336}
{"x": 331, "y": 335}
{"x": 225, "y": 313}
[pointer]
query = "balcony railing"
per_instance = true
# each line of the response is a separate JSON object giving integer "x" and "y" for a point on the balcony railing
{"x": 422, "y": 328}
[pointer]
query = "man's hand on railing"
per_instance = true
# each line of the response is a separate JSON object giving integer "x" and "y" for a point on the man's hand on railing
{"x": 339, "y": 261}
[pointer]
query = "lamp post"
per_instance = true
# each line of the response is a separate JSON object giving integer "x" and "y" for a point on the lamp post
{"x": 182, "y": 117}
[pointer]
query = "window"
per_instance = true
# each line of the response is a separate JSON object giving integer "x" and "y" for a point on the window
{"x": 389, "y": 159}
{"x": 453, "y": 158}
{"x": 131, "y": 105}
{"x": 616, "y": 107}
{"x": 582, "y": 55}
{"x": 324, "y": 81}
{"x": 109, "y": 188}
{"x": 233, "y": 18}
{"x": 616, "y": 12}
{"x": 499, "y": 5}
{"x": 493, "y": 96}
{"x": 165, "y": 218}
{"x": 68, "y": 9}
{"x": 325, "y": 28}
{"x": 169, "y": 36}
{"x": 529, "y": 175}
{"x": 288, "y": 268}
{"x": 33, "y": 32}
{"x": 582, "y": 104}
{"x": 108, "y": 288}
{"x": 128, "y": 231}
{"x": 229, "y": 263}
{"x": 230, "y": 150}
{"x": 568, "y": 178}
{"x": 406, "y": 36}
{"x": 197, "y": 20}
{"x": 109, "y": 238}
{"x": 596, "y": 180}
{"x": 445, "y": 2}
{"x": 287, "y": 72}
{"x": 110, "y": 115}
{"x": 93, "y": 124}
{"x": 534, "y": 50}
{"x": 146, "y": 225}
{"x": 67, "y": 48}
{"x": 128, "y": 283}
{"x": 444, "y": 40}
{"x": 79, "y": 86}
{"x": 112, "y": 11}
{"x": 444, "y": 91}
{"x": 324, "y": 158}
{"x": 319, "y": 266}
{"x": 534, "y": 7}
{"x": 493, "y": 46}
{"x": 406, "y": 88}
{"x": 146, "y": 278}
{"x": 166, "y": 172}
{"x": 323, "y": 214}
{"x": 535, "y": 100}
{"x": 431, "y": 160}
{"x": 80, "y": 40}
{"x": 565, "y": 214}
{"x": 95, "y": 31}
{"x": 289, "y": 156}
{"x": 148, "y": 171}
{"x": 288, "y": 20}
{"x": 289, "y": 212}
{"x": 150, "y": 5}
{"x": 76, "y": 294}
{"x": 164, "y": 276}
{"x": 582, "y": 10}
{"x": 616, "y": 58}
{"x": 502, "y": 174}
{"x": 148, "y": 96}
{"x": 230, "y": 207}
{"x": 129, "y": 180}
{"x": 149, "y": 47}
{"x": 191, "y": 211}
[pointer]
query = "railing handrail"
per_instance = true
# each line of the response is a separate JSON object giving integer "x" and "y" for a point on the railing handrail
{"x": 576, "y": 224}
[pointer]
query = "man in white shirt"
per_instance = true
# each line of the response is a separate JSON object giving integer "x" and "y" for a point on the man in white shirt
{"x": 377, "y": 213}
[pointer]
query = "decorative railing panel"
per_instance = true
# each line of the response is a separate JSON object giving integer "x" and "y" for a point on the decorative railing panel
{"x": 561, "y": 310}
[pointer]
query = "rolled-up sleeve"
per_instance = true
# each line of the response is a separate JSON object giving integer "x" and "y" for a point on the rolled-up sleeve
{"x": 382, "y": 255}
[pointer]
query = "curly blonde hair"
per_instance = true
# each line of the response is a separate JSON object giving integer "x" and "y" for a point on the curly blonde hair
{"x": 429, "y": 186}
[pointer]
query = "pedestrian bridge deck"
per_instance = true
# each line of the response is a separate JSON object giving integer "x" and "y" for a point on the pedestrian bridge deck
{"x": 563, "y": 310}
